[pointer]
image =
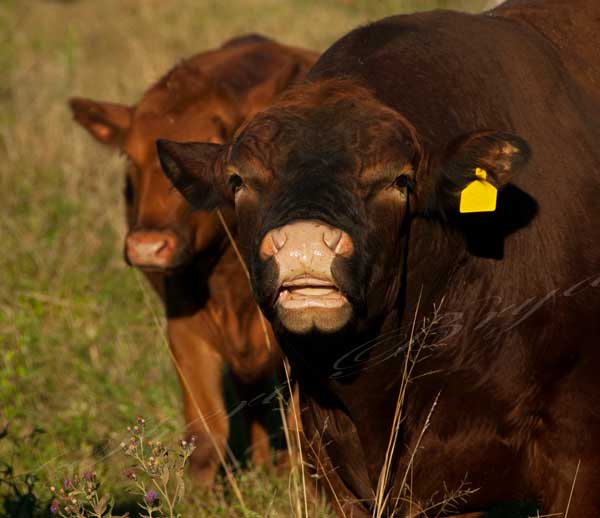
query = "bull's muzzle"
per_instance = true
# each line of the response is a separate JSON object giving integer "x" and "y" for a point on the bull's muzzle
{"x": 308, "y": 297}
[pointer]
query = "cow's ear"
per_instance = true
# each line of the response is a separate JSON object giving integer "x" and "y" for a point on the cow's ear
{"x": 473, "y": 167}
{"x": 191, "y": 168}
{"x": 107, "y": 122}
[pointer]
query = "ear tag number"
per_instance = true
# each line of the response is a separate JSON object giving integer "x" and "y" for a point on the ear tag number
{"x": 479, "y": 196}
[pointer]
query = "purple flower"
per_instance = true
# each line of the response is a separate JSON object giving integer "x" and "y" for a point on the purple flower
{"x": 67, "y": 484}
{"x": 89, "y": 475}
{"x": 54, "y": 507}
{"x": 150, "y": 497}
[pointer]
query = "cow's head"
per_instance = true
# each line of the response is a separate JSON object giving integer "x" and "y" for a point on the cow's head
{"x": 324, "y": 184}
{"x": 164, "y": 233}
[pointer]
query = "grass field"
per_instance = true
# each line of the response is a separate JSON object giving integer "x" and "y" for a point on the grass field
{"x": 80, "y": 354}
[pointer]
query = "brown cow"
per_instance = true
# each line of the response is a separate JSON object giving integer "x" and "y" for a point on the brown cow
{"x": 212, "y": 319}
{"x": 368, "y": 195}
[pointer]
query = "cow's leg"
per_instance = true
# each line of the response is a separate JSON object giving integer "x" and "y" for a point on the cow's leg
{"x": 200, "y": 370}
{"x": 259, "y": 439}
{"x": 256, "y": 416}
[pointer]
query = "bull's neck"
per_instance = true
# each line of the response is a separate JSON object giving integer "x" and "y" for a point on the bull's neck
{"x": 361, "y": 372}
{"x": 340, "y": 362}
{"x": 353, "y": 374}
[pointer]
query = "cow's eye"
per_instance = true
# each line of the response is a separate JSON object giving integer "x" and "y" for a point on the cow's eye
{"x": 128, "y": 191}
{"x": 221, "y": 129}
{"x": 235, "y": 182}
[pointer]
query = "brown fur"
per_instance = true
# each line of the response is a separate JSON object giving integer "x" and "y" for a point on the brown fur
{"x": 513, "y": 359}
{"x": 212, "y": 320}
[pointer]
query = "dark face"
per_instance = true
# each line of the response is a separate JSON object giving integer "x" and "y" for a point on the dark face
{"x": 323, "y": 184}
{"x": 318, "y": 221}
{"x": 164, "y": 231}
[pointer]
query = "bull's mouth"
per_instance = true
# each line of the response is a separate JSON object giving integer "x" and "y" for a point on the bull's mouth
{"x": 306, "y": 292}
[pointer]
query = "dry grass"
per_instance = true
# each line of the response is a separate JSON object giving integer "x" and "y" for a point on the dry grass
{"x": 80, "y": 355}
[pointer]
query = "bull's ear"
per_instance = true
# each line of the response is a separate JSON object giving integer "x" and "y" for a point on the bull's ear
{"x": 107, "y": 122}
{"x": 191, "y": 167}
{"x": 475, "y": 165}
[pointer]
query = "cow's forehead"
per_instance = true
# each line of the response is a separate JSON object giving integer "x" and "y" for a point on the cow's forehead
{"x": 195, "y": 119}
{"x": 194, "y": 123}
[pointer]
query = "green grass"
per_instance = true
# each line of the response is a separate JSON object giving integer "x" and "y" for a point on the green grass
{"x": 80, "y": 355}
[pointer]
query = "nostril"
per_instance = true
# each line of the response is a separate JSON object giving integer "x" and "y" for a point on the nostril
{"x": 332, "y": 237}
{"x": 147, "y": 249}
{"x": 167, "y": 246}
{"x": 279, "y": 239}
{"x": 162, "y": 248}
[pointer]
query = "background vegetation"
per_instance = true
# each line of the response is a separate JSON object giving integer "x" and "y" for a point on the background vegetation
{"x": 80, "y": 353}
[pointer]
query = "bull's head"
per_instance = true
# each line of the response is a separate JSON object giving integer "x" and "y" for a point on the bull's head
{"x": 325, "y": 183}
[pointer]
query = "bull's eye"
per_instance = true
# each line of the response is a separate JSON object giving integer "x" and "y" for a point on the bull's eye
{"x": 128, "y": 191}
{"x": 403, "y": 182}
{"x": 235, "y": 182}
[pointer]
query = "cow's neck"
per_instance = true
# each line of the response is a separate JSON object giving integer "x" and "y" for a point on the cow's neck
{"x": 188, "y": 290}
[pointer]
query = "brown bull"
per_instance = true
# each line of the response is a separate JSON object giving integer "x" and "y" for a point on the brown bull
{"x": 437, "y": 170}
{"x": 212, "y": 319}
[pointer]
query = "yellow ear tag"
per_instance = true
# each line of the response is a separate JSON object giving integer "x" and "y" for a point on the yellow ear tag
{"x": 479, "y": 196}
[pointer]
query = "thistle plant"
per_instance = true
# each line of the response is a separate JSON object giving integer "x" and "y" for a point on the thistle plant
{"x": 156, "y": 473}
{"x": 80, "y": 497}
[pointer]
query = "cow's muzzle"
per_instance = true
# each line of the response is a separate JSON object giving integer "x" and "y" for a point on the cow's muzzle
{"x": 308, "y": 297}
{"x": 154, "y": 250}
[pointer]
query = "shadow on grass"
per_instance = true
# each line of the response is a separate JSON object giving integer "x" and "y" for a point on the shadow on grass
{"x": 126, "y": 506}
{"x": 18, "y": 497}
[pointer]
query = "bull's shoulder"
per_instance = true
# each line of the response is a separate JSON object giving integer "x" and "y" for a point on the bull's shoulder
{"x": 406, "y": 46}
{"x": 422, "y": 63}
{"x": 571, "y": 27}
